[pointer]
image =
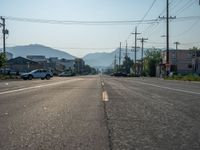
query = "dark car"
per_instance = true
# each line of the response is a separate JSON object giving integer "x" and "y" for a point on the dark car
{"x": 66, "y": 74}
{"x": 120, "y": 74}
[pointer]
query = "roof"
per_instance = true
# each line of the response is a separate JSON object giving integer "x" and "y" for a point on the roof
{"x": 36, "y": 56}
{"x": 21, "y": 60}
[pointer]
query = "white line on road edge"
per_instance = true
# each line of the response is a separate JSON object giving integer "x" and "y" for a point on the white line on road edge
{"x": 38, "y": 86}
{"x": 168, "y": 88}
{"x": 105, "y": 96}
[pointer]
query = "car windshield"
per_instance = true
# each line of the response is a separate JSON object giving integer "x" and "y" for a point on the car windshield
{"x": 34, "y": 71}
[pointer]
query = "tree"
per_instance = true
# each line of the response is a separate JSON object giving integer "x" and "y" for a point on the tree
{"x": 2, "y": 60}
{"x": 127, "y": 64}
{"x": 152, "y": 58}
{"x": 194, "y": 48}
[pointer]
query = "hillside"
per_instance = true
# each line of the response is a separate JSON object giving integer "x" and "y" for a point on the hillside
{"x": 36, "y": 49}
{"x": 106, "y": 59}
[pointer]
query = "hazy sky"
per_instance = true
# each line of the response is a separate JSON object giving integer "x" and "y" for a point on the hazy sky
{"x": 82, "y": 39}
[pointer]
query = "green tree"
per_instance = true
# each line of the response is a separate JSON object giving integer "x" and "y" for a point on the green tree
{"x": 127, "y": 64}
{"x": 152, "y": 58}
{"x": 194, "y": 48}
{"x": 2, "y": 60}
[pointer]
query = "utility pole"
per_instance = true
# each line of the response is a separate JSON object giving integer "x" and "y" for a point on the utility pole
{"x": 167, "y": 35}
{"x": 115, "y": 62}
{"x": 126, "y": 54}
{"x": 177, "y": 43}
{"x": 120, "y": 50}
{"x": 142, "y": 40}
{"x": 4, "y": 31}
{"x": 135, "y": 33}
{"x": 167, "y": 32}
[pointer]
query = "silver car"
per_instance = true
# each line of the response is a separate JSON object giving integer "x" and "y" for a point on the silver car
{"x": 38, "y": 73}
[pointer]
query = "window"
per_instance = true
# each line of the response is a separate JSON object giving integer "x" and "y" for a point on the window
{"x": 189, "y": 65}
{"x": 174, "y": 55}
{"x": 189, "y": 55}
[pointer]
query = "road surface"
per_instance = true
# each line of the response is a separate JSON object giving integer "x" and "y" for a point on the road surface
{"x": 101, "y": 113}
{"x": 62, "y": 113}
{"x": 153, "y": 114}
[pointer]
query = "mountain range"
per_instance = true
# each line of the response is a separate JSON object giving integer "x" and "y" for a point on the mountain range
{"x": 107, "y": 59}
{"x": 37, "y": 49}
{"x": 98, "y": 60}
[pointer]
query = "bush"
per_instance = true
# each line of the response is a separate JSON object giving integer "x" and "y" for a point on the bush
{"x": 189, "y": 77}
{"x": 6, "y": 77}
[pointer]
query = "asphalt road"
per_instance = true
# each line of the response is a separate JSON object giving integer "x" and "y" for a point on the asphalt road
{"x": 99, "y": 113}
{"x": 153, "y": 114}
{"x": 62, "y": 113}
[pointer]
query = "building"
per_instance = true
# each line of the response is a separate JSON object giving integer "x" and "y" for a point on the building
{"x": 69, "y": 64}
{"x": 20, "y": 65}
{"x": 180, "y": 61}
{"x": 60, "y": 65}
{"x": 55, "y": 66}
{"x": 37, "y": 58}
{"x": 53, "y": 59}
{"x": 196, "y": 62}
{"x": 40, "y": 59}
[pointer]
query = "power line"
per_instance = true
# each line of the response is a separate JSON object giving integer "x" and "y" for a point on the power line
{"x": 177, "y": 43}
{"x": 77, "y": 22}
{"x": 164, "y": 10}
{"x": 162, "y": 43}
{"x": 187, "y": 30}
{"x": 142, "y": 20}
{"x": 186, "y": 6}
{"x": 176, "y": 4}
{"x": 151, "y": 6}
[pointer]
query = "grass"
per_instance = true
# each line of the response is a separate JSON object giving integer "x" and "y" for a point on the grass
{"x": 7, "y": 77}
{"x": 184, "y": 78}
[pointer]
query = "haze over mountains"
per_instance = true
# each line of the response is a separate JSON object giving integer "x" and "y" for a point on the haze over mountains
{"x": 102, "y": 59}
{"x": 37, "y": 49}
{"x": 107, "y": 59}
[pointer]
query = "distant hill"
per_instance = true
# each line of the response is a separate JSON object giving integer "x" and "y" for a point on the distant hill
{"x": 36, "y": 49}
{"x": 107, "y": 59}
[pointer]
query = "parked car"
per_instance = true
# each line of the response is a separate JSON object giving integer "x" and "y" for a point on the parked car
{"x": 38, "y": 73}
{"x": 119, "y": 74}
{"x": 66, "y": 74}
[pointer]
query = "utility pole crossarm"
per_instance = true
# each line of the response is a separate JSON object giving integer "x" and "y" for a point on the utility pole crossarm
{"x": 177, "y": 43}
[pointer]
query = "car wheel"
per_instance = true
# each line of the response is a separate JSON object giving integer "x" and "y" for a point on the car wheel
{"x": 30, "y": 77}
{"x": 47, "y": 77}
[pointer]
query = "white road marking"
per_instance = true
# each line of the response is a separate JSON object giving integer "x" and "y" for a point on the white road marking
{"x": 105, "y": 96}
{"x": 38, "y": 86}
{"x": 168, "y": 88}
